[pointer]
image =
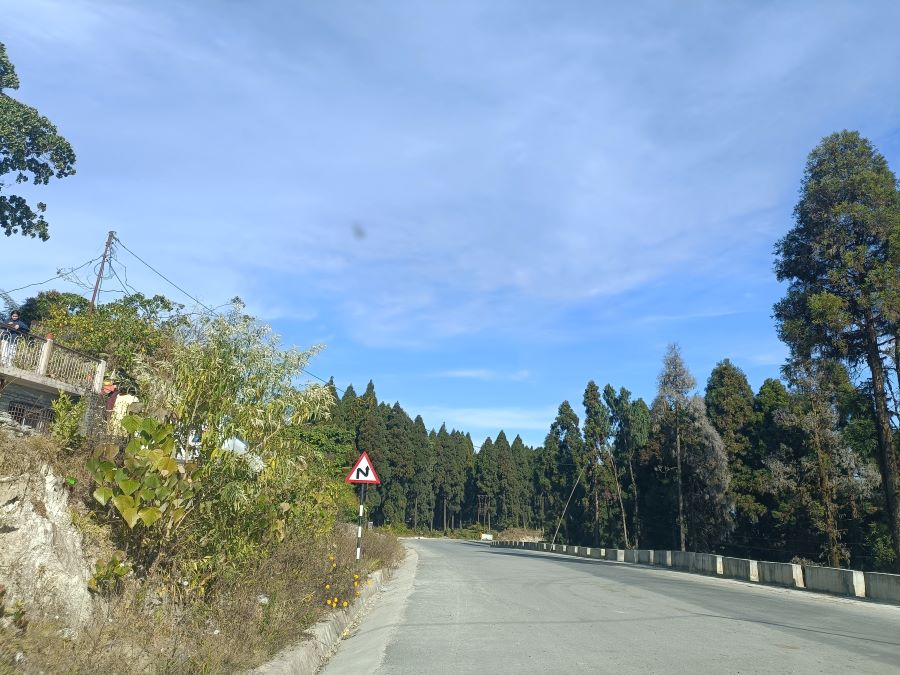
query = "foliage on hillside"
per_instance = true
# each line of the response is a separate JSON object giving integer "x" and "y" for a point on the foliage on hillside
{"x": 216, "y": 515}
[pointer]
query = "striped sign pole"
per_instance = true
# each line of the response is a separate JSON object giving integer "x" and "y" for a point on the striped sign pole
{"x": 362, "y": 502}
{"x": 362, "y": 474}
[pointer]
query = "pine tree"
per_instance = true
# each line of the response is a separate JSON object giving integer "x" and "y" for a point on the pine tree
{"x": 443, "y": 474}
{"x": 596, "y": 436}
{"x": 486, "y": 483}
{"x": 729, "y": 405}
{"x": 843, "y": 300}
{"x": 675, "y": 382}
{"x": 370, "y": 438}
{"x": 399, "y": 461}
{"x": 568, "y": 488}
{"x": 421, "y": 489}
{"x": 523, "y": 460}
{"x": 507, "y": 483}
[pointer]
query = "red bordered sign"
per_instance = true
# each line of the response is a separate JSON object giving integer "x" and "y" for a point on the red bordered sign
{"x": 363, "y": 472}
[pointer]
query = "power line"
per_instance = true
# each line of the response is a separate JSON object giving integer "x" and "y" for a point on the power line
{"x": 165, "y": 278}
{"x": 60, "y": 274}
{"x": 206, "y": 307}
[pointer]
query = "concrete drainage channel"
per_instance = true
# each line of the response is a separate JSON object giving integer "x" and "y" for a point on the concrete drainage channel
{"x": 872, "y": 585}
{"x": 323, "y": 638}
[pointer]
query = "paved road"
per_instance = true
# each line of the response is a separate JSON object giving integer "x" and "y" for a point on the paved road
{"x": 463, "y": 607}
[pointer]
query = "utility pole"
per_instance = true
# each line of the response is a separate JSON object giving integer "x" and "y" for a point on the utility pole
{"x": 109, "y": 240}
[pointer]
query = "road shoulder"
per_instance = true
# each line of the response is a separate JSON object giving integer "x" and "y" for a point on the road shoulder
{"x": 362, "y": 651}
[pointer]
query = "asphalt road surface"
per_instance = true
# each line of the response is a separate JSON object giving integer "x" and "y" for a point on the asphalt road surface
{"x": 463, "y": 607}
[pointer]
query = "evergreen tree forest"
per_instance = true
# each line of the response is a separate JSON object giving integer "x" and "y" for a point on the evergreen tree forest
{"x": 804, "y": 468}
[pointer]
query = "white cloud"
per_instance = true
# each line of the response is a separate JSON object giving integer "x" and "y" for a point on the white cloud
{"x": 489, "y": 419}
{"x": 485, "y": 374}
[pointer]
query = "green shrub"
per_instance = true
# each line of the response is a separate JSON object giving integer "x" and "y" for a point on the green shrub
{"x": 67, "y": 421}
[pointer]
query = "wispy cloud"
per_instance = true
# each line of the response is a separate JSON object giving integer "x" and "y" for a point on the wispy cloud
{"x": 485, "y": 374}
{"x": 489, "y": 420}
{"x": 559, "y": 157}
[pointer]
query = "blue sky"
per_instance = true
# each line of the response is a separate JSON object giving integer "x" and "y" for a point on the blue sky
{"x": 479, "y": 205}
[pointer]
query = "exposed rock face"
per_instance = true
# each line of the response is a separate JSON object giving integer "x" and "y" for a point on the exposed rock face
{"x": 41, "y": 561}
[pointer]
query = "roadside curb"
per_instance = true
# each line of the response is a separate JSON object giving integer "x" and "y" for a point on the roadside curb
{"x": 309, "y": 655}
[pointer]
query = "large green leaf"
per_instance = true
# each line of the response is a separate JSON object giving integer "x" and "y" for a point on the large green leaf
{"x": 167, "y": 466}
{"x": 131, "y": 423}
{"x": 131, "y": 517}
{"x": 128, "y": 486}
{"x": 150, "y": 515}
{"x": 103, "y": 495}
{"x": 149, "y": 426}
{"x": 123, "y": 502}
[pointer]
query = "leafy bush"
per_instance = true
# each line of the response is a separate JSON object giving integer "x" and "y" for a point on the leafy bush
{"x": 150, "y": 491}
{"x": 67, "y": 421}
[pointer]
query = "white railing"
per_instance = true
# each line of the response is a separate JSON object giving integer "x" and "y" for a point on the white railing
{"x": 42, "y": 357}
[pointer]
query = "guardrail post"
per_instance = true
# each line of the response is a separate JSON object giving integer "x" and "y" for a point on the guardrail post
{"x": 44, "y": 360}
{"x": 98, "y": 376}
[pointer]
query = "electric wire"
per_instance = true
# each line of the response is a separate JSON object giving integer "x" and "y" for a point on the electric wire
{"x": 164, "y": 277}
{"x": 59, "y": 275}
{"x": 205, "y": 306}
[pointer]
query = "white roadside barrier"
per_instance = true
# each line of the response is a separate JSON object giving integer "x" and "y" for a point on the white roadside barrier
{"x": 884, "y": 587}
{"x": 781, "y": 574}
{"x": 854, "y": 583}
{"x": 834, "y": 580}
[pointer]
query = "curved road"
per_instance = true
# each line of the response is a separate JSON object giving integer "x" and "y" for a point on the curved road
{"x": 463, "y": 607}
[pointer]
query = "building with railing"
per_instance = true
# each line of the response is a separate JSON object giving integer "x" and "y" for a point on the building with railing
{"x": 33, "y": 370}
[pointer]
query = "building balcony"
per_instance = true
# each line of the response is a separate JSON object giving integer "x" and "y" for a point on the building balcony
{"x": 38, "y": 364}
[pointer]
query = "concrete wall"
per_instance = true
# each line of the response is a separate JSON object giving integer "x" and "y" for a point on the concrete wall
{"x": 706, "y": 563}
{"x": 681, "y": 560}
{"x": 615, "y": 554}
{"x": 834, "y": 580}
{"x": 885, "y": 587}
{"x": 781, "y": 574}
{"x": 874, "y": 585}
{"x": 740, "y": 568}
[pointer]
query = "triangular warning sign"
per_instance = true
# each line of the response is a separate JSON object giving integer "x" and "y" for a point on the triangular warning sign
{"x": 363, "y": 472}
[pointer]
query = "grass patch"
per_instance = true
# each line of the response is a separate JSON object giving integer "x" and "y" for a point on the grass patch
{"x": 151, "y": 627}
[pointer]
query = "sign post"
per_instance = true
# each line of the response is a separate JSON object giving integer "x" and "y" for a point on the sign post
{"x": 362, "y": 474}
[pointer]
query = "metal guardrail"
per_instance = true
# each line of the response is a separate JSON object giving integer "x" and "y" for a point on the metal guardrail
{"x": 41, "y": 356}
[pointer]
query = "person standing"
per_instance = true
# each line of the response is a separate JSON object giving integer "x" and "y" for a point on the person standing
{"x": 13, "y": 330}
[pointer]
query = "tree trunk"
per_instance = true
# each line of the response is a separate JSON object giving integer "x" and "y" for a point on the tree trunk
{"x": 416, "y": 514}
{"x": 636, "y": 523}
{"x": 681, "y": 532}
{"x": 445, "y": 513}
{"x": 621, "y": 503}
{"x": 887, "y": 459}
